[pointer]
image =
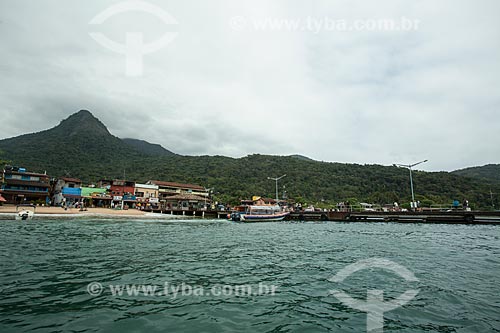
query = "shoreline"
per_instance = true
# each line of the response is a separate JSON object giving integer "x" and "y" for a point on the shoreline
{"x": 10, "y": 211}
{"x": 75, "y": 211}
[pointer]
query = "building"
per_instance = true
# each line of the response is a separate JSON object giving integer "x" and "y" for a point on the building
{"x": 147, "y": 196}
{"x": 179, "y": 196}
{"x": 168, "y": 189}
{"x": 186, "y": 202}
{"x": 20, "y": 186}
{"x": 118, "y": 187}
{"x": 67, "y": 191}
{"x": 122, "y": 191}
{"x": 96, "y": 197}
{"x": 145, "y": 191}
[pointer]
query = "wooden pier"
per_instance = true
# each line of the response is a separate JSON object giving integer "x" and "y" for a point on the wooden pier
{"x": 457, "y": 217}
{"x": 209, "y": 214}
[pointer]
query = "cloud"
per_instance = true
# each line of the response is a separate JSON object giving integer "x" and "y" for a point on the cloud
{"x": 347, "y": 96}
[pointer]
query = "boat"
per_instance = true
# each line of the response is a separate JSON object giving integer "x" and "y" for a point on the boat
{"x": 262, "y": 214}
{"x": 25, "y": 212}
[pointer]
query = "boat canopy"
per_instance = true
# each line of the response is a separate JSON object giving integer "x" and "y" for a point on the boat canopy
{"x": 264, "y": 210}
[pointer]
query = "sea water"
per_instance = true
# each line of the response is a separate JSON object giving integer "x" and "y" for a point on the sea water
{"x": 60, "y": 275}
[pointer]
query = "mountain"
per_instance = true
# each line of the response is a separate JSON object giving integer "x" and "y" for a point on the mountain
{"x": 81, "y": 146}
{"x": 77, "y": 146}
{"x": 147, "y": 148}
{"x": 488, "y": 172}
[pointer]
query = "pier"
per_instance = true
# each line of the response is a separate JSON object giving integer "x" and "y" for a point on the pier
{"x": 209, "y": 214}
{"x": 456, "y": 217}
{"x": 439, "y": 217}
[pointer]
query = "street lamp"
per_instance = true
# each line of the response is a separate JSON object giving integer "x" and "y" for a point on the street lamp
{"x": 409, "y": 166}
{"x": 276, "y": 180}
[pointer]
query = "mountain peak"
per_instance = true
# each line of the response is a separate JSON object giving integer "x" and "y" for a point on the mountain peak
{"x": 83, "y": 122}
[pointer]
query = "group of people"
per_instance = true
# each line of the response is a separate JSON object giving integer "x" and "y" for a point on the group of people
{"x": 76, "y": 204}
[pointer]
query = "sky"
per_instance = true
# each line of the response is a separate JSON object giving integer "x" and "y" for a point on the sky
{"x": 331, "y": 80}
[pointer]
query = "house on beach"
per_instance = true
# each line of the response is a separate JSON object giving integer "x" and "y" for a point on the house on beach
{"x": 20, "y": 186}
{"x": 121, "y": 191}
{"x": 147, "y": 196}
{"x": 67, "y": 191}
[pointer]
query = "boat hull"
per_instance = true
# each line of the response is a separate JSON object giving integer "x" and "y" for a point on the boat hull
{"x": 263, "y": 218}
{"x": 25, "y": 215}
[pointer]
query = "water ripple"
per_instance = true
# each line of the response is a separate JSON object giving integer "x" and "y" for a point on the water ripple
{"x": 45, "y": 267}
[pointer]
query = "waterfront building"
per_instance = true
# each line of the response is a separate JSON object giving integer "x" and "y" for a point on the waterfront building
{"x": 67, "y": 191}
{"x": 122, "y": 191}
{"x": 186, "y": 202}
{"x": 179, "y": 196}
{"x": 20, "y": 186}
{"x": 147, "y": 196}
{"x": 168, "y": 189}
{"x": 145, "y": 191}
{"x": 96, "y": 197}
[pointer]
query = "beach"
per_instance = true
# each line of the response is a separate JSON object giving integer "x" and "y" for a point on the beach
{"x": 6, "y": 209}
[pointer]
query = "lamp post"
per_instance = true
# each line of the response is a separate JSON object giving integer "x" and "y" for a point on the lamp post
{"x": 409, "y": 166}
{"x": 276, "y": 180}
{"x": 208, "y": 192}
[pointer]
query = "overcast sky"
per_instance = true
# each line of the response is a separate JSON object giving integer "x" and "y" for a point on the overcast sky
{"x": 228, "y": 84}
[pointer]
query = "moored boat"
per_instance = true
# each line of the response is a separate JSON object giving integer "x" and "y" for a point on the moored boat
{"x": 25, "y": 212}
{"x": 263, "y": 214}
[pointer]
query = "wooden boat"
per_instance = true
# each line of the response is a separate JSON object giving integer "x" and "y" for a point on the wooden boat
{"x": 263, "y": 214}
{"x": 25, "y": 212}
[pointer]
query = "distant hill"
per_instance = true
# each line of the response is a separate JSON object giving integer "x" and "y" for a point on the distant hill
{"x": 489, "y": 172}
{"x": 81, "y": 146}
{"x": 302, "y": 157}
{"x": 147, "y": 148}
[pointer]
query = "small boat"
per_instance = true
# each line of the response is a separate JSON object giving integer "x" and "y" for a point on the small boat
{"x": 25, "y": 212}
{"x": 263, "y": 214}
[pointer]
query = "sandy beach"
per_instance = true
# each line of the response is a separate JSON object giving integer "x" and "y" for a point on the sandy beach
{"x": 5, "y": 209}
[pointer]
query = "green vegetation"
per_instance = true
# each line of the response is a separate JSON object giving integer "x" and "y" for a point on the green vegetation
{"x": 487, "y": 172}
{"x": 147, "y": 148}
{"x": 82, "y": 147}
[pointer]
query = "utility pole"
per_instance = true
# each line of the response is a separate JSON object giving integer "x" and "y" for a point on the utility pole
{"x": 409, "y": 166}
{"x": 276, "y": 180}
{"x": 492, "y": 202}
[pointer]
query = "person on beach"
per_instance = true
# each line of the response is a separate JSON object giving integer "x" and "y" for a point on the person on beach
{"x": 465, "y": 204}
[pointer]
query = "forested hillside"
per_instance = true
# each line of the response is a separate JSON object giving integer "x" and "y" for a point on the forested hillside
{"x": 488, "y": 172}
{"x": 81, "y": 146}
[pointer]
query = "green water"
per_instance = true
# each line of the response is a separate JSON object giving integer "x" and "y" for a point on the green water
{"x": 46, "y": 266}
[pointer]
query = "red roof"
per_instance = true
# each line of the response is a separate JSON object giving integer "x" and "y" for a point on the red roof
{"x": 179, "y": 185}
